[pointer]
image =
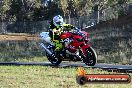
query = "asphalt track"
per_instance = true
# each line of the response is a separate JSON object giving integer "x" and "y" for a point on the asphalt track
{"x": 108, "y": 67}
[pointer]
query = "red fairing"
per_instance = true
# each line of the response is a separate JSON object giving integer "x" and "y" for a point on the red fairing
{"x": 76, "y": 43}
{"x": 65, "y": 35}
{"x": 86, "y": 33}
{"x": 77, "y": 36}
{"x": 72, "y": 49}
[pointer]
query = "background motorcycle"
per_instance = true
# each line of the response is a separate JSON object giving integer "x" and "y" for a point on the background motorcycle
{"x": 75, "y": 48}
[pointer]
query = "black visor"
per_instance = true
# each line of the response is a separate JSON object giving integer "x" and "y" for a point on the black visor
{"x": 58, "y": 23}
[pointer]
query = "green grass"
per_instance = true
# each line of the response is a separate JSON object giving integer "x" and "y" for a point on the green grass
{"x": 25, "y": 59}
{"x": 47, "y": 77}
{"x": 33, "y": 59}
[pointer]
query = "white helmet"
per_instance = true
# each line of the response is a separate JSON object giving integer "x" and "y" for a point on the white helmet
{"x": 58, "y": 20}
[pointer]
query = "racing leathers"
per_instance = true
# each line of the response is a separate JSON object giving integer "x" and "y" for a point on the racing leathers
{"x": 55, "y": 32}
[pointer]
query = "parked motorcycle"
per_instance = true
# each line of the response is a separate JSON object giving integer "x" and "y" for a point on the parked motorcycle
{"x": 75, "y": 48}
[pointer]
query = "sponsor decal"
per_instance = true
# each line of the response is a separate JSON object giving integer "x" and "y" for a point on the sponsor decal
{"x": 83, "y": 78}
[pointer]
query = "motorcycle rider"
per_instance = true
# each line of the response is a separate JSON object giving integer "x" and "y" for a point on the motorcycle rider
{"x": 56, "y": 27}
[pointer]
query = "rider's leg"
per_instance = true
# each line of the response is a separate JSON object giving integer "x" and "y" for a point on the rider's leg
{"x": 58, "y": 45}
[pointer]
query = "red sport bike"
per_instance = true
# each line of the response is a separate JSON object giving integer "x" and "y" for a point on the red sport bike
{"x": 75, "y": 48}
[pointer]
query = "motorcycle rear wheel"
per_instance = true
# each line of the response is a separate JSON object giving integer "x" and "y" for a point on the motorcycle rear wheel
{"x": 57, "y": 60}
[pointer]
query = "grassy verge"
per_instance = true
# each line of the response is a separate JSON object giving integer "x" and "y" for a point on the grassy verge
{"x": 33, "y": 59}
{"x": 24, "y": 59}
{"x": 47, "y": 77}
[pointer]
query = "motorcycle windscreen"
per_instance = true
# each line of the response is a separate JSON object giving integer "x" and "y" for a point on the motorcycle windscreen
{"x": 45, "y": 36}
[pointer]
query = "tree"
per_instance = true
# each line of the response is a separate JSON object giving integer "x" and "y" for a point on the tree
{"x": 4, "y": 7}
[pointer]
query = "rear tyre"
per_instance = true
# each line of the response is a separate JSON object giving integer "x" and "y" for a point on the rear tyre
{"x": 55, "y": 61}
{"x": 91, "y": 57}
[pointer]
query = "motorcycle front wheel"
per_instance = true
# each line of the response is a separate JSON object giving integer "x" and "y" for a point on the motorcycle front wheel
{"x": 91, "y": 57}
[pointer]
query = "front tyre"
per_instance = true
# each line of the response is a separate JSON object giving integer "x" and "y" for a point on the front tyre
{"x": 91, "y": 57}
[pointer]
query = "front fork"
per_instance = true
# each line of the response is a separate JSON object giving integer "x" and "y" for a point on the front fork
{"x": 82, "y": 51}
{"x": 84, "y": 47}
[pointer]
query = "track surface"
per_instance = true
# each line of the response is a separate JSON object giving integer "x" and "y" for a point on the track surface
{"x": 108, "y": 67}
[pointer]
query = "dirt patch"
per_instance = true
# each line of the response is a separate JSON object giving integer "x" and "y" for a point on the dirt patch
{"x": 16, "y": 36}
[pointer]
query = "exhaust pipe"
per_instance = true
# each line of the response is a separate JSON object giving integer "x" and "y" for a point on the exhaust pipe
{"x": 47, "y": 50}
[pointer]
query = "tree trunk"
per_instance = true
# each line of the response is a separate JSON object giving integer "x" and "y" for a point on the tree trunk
{"x": 98, "y": 15}
{"x": 69, "y": 18}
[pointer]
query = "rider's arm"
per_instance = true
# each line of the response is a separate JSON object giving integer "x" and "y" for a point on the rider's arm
{"x": 51, "y": 34}
{"x": 68, "y": 27}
